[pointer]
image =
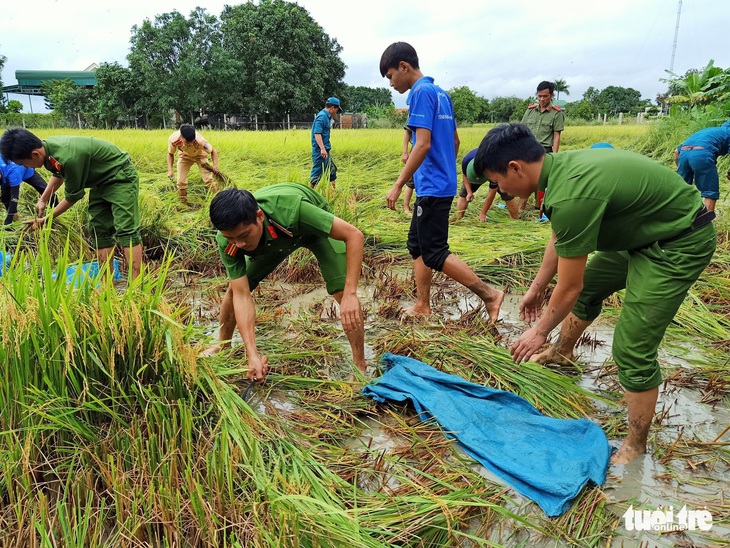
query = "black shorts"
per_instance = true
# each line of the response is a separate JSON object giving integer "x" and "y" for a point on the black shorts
{"x": 428, "y": 236}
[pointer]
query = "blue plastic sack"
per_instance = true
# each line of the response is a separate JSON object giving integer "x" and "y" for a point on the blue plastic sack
{"x": 79, "y": 274}
{"x": 4, "y": 261}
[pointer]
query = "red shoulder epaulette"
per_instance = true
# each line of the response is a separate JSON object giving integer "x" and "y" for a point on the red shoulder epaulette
{"x": 533, "y": 106}
{"x": 56, "y": 166}
{"x": 231, "y": 249}
{"x": 556, "y": 108}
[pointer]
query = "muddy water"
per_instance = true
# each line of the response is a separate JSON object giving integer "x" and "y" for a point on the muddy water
{"x": 645, "y": 483}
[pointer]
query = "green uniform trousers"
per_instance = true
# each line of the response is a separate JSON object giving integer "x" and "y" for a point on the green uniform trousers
{"x": 657, "y": 279}
{"x": 114, "y": 212}
{"x": 329, "y": 253}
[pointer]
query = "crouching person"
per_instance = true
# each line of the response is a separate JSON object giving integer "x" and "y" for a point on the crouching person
{"x": 257, "y": 232}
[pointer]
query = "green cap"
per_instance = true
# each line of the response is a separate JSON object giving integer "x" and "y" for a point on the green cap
{"x": 472, "y": 175}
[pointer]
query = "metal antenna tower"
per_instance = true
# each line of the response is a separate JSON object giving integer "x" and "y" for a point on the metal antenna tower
{"x": 676, "y": 31}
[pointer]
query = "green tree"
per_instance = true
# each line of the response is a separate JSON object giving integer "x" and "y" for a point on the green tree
{"x": 15, "y": 106}
{"x": 358, "y": 98}
{"x": 561, "y": 85}
{"x": 74, "y": 103}
{"x": 614, "y": 99}
{"x": 696, "y": 86}
{"x": 504, "y": 109}
{"x": 591, "y": 94}
{"x": 467, "y": 106}
{"x": 582, "y": 109}
{"x": 284, "y": 59}
{"x": 117, "y": 92}
{"x": 172, "y": 56}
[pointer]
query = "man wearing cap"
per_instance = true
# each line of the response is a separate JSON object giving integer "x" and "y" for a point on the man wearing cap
{"x": 256, "y": 232}
{"x": 696, "y": 160}
{"x": 471, "y": 182}
{"x": 192, "y": 149}
{"x": 321, "y": 157}
{"x": 646, "y": 232}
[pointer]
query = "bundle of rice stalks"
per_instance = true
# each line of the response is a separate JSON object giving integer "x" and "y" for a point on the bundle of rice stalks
{"x": 221, "y": 179}
{"x": 480, "y": 360}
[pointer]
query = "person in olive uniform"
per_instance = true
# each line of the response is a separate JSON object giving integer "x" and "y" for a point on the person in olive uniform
{"x": 257, "y": 232}
{"x": 546, "y": 122}
{"x": 79, "y": 163}
{"x": 647, "y": 232}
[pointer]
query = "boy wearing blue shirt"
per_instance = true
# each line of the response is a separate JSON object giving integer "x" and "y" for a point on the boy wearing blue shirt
{"x": 432, "y": 164}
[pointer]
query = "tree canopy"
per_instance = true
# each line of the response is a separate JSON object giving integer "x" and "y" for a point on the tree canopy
{"x": 359, "y": 98}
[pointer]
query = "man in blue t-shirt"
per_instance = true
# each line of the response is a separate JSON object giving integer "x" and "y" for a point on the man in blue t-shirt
{"x": 696, "y": 161}
{"x": 432, "y": 164}
{"x": 321, "y": 158}
{"x": 11, "y": 175}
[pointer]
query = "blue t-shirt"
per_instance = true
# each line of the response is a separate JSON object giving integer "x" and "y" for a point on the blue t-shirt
{"x": 715, "y": 140}
{"x": 322, "y": 124}
{"x": 13, "y": 174}
{"x": 431, "y": 108}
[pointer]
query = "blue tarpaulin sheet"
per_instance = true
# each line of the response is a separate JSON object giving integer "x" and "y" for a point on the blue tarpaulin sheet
{"x": 546, "y": 459}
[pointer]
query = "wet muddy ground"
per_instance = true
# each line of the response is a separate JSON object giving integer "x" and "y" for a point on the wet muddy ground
{"x": 667, "y": 479}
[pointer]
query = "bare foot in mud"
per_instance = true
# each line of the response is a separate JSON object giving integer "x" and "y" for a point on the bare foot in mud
{"x": 416, "y": 311}
{"x": 492, "y": 307}
{"x": 550, "y": 355}
{"x": 212, "y": 350}
{"x": 626, "y": 453}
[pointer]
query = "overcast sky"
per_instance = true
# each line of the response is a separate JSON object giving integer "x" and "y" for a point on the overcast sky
{"x": 496, "y": 47}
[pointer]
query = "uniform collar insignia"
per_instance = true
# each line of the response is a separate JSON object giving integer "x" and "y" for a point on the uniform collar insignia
{"x": 55, "y": 164}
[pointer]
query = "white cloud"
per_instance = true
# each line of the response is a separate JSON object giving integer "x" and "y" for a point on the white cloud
{"x": 494, "y": 47}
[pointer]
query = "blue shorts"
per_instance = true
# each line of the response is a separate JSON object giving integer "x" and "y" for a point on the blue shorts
{"x": 700, "y": 166}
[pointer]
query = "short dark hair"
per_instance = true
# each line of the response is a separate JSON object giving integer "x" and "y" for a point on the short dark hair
{"x": 231, "y": 207}
{"x": 188, "y": 132}
{"x": 546, "y": 85}
{"x": 505, "y": 143}
{"x": 18, "y": 143}
{"x": 395, "y": 53}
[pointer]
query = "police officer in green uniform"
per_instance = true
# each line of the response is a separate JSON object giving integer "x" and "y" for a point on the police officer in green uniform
{"x": 648, "y": 233}
{"x": 257, "y": 232}
{"x": 79, "y": 163}
{"x": 546, "y": 121}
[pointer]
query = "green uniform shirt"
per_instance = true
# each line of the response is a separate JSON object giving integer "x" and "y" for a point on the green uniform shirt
{"x": 613, "y": 200}
{"x": 543, "y": 124}
{"x": 85, "y": 162}
{"x": 294, "y": 214}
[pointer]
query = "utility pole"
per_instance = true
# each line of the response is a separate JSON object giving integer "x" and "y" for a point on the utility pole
{"x": 676, "y": 31}
{"x": 674, "y": 49}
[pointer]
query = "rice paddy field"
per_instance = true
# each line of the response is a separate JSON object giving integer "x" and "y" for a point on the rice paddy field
{"x": 115, "y": 431}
